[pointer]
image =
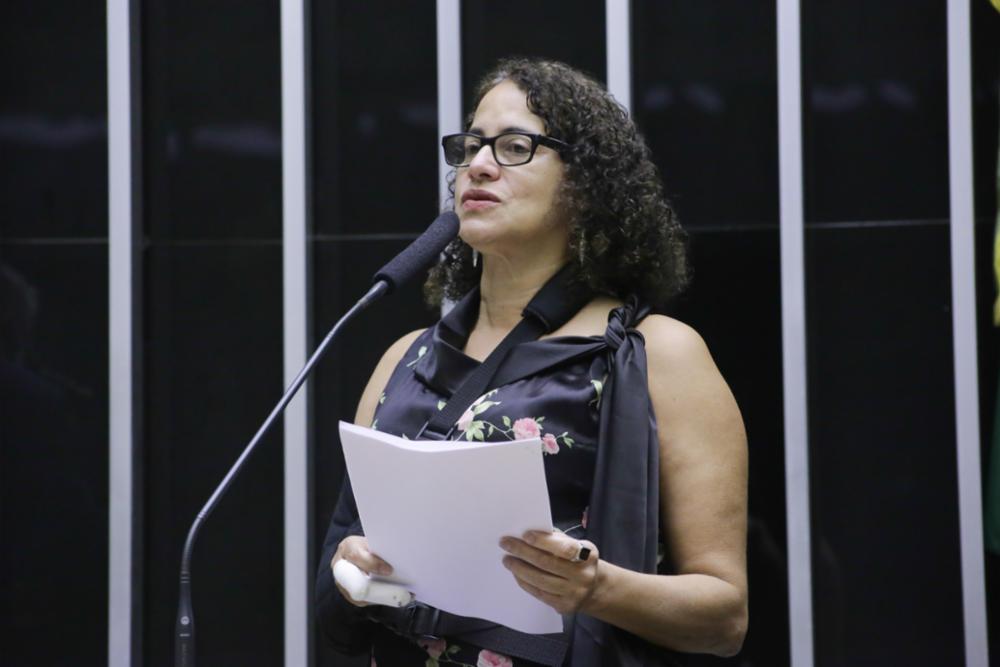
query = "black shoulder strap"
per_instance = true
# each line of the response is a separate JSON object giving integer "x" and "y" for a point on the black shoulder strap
{"x": 554, "y": 304}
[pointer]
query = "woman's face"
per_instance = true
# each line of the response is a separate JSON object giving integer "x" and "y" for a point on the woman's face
{"x": 510, "y": 210}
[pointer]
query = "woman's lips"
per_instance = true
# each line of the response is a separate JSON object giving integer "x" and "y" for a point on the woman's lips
{"x": 478, "y": 204}
{"x": 477, "y": 200}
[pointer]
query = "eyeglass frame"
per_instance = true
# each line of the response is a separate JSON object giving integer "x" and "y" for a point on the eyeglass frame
{"x": 536, "y": 140}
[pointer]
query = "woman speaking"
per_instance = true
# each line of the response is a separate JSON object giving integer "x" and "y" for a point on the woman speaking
{"x": 564, "y": 226}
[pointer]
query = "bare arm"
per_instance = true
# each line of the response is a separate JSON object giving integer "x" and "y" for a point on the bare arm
{"x": 703, "y": 489}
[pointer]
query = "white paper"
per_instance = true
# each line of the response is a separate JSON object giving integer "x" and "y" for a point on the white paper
{"x": 436, "y": 510}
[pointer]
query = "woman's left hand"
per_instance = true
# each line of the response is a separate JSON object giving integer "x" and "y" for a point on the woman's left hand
{"x": 544, "y": 565}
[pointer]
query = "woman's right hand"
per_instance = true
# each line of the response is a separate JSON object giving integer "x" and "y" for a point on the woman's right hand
{"x": 354, "y": 550}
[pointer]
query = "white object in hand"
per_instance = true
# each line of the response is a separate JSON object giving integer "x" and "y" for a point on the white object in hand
{"x": 361, "y": 588}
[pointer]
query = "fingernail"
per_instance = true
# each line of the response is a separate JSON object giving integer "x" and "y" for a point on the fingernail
{"x": 505, "y": 543}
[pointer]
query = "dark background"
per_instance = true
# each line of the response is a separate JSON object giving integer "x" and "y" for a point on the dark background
{"x": 883, "y": 480}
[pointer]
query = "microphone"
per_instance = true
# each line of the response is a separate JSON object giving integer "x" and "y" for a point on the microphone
{"x": 417, "y": 257}
{"x": 421, "y": 253}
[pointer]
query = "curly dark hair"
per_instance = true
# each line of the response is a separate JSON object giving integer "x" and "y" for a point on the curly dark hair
{"x": 624, "y": 236}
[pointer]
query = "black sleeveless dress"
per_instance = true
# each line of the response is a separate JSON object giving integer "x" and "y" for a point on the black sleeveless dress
{"x": 553, "y": 388}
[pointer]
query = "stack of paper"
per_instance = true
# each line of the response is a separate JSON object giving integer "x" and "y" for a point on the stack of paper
{"x": 436, "y": 511}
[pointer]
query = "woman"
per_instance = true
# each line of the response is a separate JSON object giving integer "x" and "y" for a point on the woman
{"x": 551, "y": 173}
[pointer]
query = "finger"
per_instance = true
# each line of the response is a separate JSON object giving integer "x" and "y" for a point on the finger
{"x": 540, "y": 579}
{"x": 562, "y": 546}
{"x": 540, "y": 558}
{"x": 556, "y": 543}
{"x": 547, "y": 598}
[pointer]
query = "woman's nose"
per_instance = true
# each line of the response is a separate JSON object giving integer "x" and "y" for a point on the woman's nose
{"x": 483, "y": 165}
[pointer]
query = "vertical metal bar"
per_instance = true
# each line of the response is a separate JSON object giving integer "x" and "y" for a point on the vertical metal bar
{"x": 963, "y": 299}
{"x": 295, "y": 192}
{"x": 449, "y": 81}
{"x": 793, "y": 329}
{"x": 124, "y": 538}
{"x": 618, "y": 30}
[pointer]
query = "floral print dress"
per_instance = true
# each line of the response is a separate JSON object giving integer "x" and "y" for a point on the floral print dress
{"x": 550, "y": 388}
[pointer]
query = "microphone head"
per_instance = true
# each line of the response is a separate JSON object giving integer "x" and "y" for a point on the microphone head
{"x": 421, "y": 254}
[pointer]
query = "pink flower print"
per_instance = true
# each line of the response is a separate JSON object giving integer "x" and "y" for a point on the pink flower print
{"x": 583, "y": 521}
{"x": 549, "y": 444}
{"x": 491, "y": 659}
{"x": 373, "y": 662}
{"x": 434, "y": 647}
{"x": 526, "y": 427}
{"x": 466, "y": 419}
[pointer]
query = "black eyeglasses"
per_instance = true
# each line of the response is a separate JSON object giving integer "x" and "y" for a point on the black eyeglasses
{"x": 509, "y": 148}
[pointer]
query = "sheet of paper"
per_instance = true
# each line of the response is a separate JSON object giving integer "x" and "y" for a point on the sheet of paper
{"x": 436, "y": 511}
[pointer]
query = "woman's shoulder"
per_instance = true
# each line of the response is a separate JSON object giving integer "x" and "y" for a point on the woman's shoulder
{"x": 380, "y": 376}
{"x": 394, "y": 354}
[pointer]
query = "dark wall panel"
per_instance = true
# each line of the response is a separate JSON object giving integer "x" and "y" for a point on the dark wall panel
{"x": 212, "y": 323}
{"x": 986, "y": 120}
{"x": 212, "y": 119}
{"x": 53, "y": 334}
{"x": 53, "y": 120}
{"x": 566, "y": 30}
{"x": 375, "y": 138}
{"x": 882, "y": 447}
{"x": 705, "y": 96}
{"x": 54, "y": 453}
{"x": 880, "y": 375}
{"x": 213, "y": 347}
{"x": 875, "y": 103}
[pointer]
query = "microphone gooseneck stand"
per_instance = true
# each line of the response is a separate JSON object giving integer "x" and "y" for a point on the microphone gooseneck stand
{"x": 416, "y": 257}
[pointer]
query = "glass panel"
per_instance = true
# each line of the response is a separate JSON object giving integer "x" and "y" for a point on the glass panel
{"x": 882, "y": 447}
{"x": 566, "y": 30}
{"x": 985, "y": 24}
{"x": 375, "y": 131}
{"x": 54, "y": 448}
{"x": 212, "y": 119}
{"x": 875, "y": 106}
{"x": 212, "y": 313}
{"x": 708, "y": 106}
{"x": 53, "y": 120}
{"x": 53, "y": 334}
{"x": 213, "y": 373}
{"x": 881, "y": 401}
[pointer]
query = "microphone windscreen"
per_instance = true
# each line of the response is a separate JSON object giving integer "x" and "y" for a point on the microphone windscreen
{"x": 421, "y": 254}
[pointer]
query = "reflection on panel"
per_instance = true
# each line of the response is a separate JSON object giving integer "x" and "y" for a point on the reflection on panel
{"x": 734, "y": 304}
{"x": 213, "y": 346}
{"x": 53, "y": 120}
{"x": 374, "y": 116}
{"x": 705, "y": 97}
{"x": 566, "y": 30}
{"x": 343, "y": 271}
{"x": 985, "y": 24}
{"x": 886, "y": 572}
{"x": 875, "y": 110}
{"x": 212, "y": 119}
{"x": 54, "y": 453}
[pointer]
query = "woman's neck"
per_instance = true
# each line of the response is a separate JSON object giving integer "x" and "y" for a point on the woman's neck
{"x": 505, "y": 288}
